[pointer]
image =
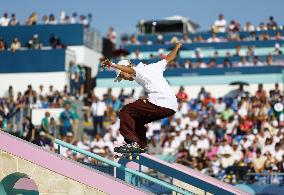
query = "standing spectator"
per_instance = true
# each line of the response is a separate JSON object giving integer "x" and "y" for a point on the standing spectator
{"x": 14, "y": 21}
{"x": 249, "y": 27}
{"x": 73, "y": 19}
{"x": 15, "y": 45}
{"x": 45, "y": 19}
{"x": 220, "y": 24}
{"x": 111, "y": 35}
{"x": 81, "y": 81}
{"x": 186, "y": 39}
{"x": 51, "y": 19}
{"x": 73, "y": 73}
{"x": 98, "y": 109}
{"x": 181, "y": 95}
{"x": 67, "y": 120}
{"x": 4, "y": 21}
{"x": 45, "y": 123}
{"x": 32, "y": 20}
{"x": 29, "y": 131}
{"x": 84, "y": 21}
{"x": 271, "y": 25}
{"x": 261, "y": 93}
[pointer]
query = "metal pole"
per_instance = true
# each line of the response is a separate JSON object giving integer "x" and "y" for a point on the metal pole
{"x": 119, "y": 166}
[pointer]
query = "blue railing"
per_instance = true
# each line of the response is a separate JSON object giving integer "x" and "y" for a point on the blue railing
{"x": 120, "y": 167}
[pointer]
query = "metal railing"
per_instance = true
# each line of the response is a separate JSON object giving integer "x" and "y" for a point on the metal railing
{"x": 119, "y": 166}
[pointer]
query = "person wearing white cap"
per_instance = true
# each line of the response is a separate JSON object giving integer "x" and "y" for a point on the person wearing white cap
{"x": 160, "y": 103}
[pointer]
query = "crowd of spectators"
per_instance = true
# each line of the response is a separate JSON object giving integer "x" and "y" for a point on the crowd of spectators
{"x": 232, "y": 31}
{"x": 85, "y": 20}
{"x": 34, "y": 43}
{"x": 225, "y": 137}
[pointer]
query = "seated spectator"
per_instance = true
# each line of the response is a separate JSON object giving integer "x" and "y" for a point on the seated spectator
{"x": 188, "y": 64}
{"x": 264, "y": 37}
{"x": 186, "y": 39}
{"x": 239, "y": 52}
{"x": 213, "y": 38}
{"x": 252, "y": 36}
{"x": 277, "y": 50}
{"x": 198, "y": 38}
{"x": 249, "y": 27}
{"x": 261, "y": 27}
{"x": 160, "y": 39}
{"x": 271, "y": 25}
{"x": 4, "y": 21}
{"x": 278, "y": 36}
{"x": 233, "y": 35}
{"x": 227, "y": 63}
{"x": 243, "y": 62}
{"x": 269, "y": 60}
{"x": 133, "y": 40}
{"x": 256, "y": 61}
{"x": 29, "y": 131}
{"x": 258, "y": 162}
{"x": 234, "y": 26}
{"x": 34, "y": 43}
{"x": 52, "y": 20}
{"x": 15, "y": 45}
{"x": 147, "y": 41}
{"x": 200, "y": 64}
{"x": 220, "y": 24}
{"x": 212, "y": 63}
{"x": 56, "y": 43}
{"x": 2, "y": 44}
{"x": 32, "y": 20}
{"x": 14, "y": 21}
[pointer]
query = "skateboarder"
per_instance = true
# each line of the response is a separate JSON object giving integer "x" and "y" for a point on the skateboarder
{"x": 160, "y": 103}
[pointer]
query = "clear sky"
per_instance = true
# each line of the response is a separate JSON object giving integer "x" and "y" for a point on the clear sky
{"x": 123, "y": 15}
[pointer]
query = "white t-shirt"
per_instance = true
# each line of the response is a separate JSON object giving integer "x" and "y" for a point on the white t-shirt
{"x": 4, "y": 21}
{"x": 221, "y": 24}
{"x": 99, "y": 108}
{"x": 151, "y": 78}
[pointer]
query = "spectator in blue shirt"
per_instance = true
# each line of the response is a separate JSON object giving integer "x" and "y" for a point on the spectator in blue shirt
{"x": 67, "y": 119}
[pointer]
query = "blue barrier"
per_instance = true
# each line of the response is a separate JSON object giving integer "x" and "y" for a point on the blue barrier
{"x": 205, "y": 35}
{"x": 193, "y": 46}
{"x": 69, "y": 34}
{"x": 32, "y": 61}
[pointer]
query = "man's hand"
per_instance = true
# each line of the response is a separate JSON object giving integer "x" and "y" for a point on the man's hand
{"x": 178, "y": 45}
{"x": 107, "y": 63}
{"x": 171, "y": 56}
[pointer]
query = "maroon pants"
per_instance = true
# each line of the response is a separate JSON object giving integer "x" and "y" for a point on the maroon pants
{"x": 134, "y": 116}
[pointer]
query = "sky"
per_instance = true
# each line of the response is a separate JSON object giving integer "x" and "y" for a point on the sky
{"x": 123, "y": 15}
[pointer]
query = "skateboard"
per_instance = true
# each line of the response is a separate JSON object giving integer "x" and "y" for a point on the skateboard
{"x": 129, "y": 156}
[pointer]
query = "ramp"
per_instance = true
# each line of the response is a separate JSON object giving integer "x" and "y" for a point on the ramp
{"x": 53, "y": 174}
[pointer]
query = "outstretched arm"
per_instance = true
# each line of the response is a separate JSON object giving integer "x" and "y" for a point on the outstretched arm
{"x": 126, "y": 69}
{"x": 171, "y": 56}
